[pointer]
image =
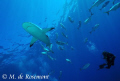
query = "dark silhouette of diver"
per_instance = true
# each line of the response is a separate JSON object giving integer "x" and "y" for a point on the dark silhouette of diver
{"x": 109, "y": 57}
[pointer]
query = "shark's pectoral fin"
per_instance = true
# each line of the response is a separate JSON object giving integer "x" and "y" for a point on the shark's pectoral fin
{"x": 33, "y": 41}
{"x": 47, "y": 29}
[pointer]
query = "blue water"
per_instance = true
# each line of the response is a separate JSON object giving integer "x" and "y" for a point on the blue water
{"x": 17, "y": 57}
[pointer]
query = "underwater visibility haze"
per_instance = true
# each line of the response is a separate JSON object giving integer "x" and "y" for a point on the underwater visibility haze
{"x": 60, "y": 40}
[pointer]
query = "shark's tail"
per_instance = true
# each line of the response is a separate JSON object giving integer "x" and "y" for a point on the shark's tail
{"x": 107, "y": 12}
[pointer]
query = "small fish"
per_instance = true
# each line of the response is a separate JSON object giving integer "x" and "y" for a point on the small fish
{"x": 85, "y": 66}
{"x": 51, "y": 48}
{"x": 62, "y": 26}
{"x": 61, "y": 43}
{"x": 70, "y": 19}
{"x": 44, "y": 53}
{"x": 114, "y": 1}
{"x": 57, "y": 12}
{"x": 79, "y": 25}
{"x": 105, "y": 4}
{"x": 47, "y": 50}
{"x": 45, "y": 19}
{"x": 72, "y": 48}
{"x": 61, "y": 48}
{"x": 88, "y": 19}
{"x": 68, "y": 60}
{"x": 39, "y": 23}
{"x": 60, "y": 75}
{"x": 53, "y": 20}
{"x": 1, "y": 47}
{"x": 113, "y": 8}
{"x": 56, "y": 36}
{"x": 94, "y": 28}
{"x": 64, "y": 35}
{"x": 96, "y": 4}
{"x": 51, "y": 72}
{"x": 51, "y": 57}
{"x": 85, "y": 40}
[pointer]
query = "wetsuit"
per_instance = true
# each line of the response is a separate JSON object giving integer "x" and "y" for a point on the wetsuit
{"x": 109, "y": 57}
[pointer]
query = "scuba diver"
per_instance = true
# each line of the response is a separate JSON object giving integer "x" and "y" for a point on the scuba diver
{"x": 109, "y": 57}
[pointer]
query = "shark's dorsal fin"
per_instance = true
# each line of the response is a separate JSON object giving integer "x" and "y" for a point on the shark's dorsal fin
{"x": 47, "y": 29}
{"x": 33, "y": 41}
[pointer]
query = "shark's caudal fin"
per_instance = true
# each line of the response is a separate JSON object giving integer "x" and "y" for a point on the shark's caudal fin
{"x": 47, "y": 29}
{"x": 33, "y": 41}
{"x": 107, "y": 12}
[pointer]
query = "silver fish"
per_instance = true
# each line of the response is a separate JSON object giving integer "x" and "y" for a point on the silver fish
{"x": 85, "y": 66}
{"x": 61, "y": 43}
{"x": 96, "y": 4}
{"x": 113, "y": 8}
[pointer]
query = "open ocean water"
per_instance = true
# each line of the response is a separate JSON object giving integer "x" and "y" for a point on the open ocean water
{"x": 77, "y": 45}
